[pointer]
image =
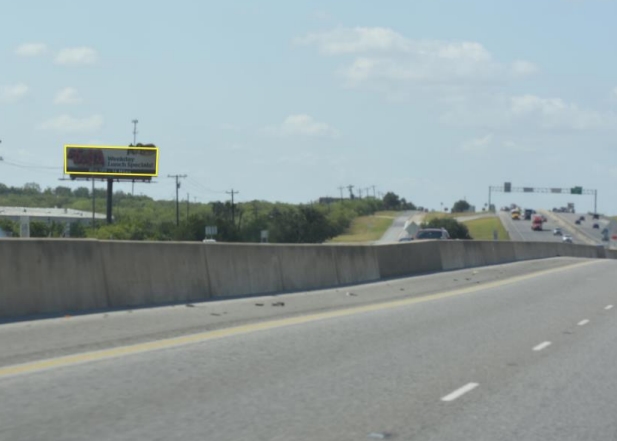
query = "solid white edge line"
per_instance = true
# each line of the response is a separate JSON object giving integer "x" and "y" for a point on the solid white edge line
{"x": 608, "y": 307}
{"x": 460, "y": 392}
{"x": 542, "y": 345}
{"x": 583, "y": 322}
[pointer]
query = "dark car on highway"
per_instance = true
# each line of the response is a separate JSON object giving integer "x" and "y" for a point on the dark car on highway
{"x": 596, "y": 226}
{"x": 432, "y": 233}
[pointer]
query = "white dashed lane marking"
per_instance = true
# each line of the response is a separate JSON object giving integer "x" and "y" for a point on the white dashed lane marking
{"x": 542, "y": 345}
{"x": 460, "y": 392}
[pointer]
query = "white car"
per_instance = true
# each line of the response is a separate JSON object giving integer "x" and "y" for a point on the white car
{"x": 566, "y": 239}
{"x": 557, "y": 232}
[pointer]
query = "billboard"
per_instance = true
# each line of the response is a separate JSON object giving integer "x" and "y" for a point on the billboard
{"x": 111, "y": 161}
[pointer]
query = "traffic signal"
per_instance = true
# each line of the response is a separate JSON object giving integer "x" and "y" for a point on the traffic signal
{"x": 507, "y": 187}
{"x": 576, "y": 190}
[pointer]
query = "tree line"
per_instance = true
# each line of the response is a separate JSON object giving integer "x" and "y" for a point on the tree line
{"x": 143, "y": 218}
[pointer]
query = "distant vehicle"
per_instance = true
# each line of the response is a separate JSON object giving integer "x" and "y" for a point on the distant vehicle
{"x": 605, "y": 235}
{"x": 544, "y": 219}
{"x": 528, "y": 213}
{"x": 582, "y": 218}
{"x": 536, "y": 223}
{"x": 515, "y": 214}
{"x": 596, "y": 216}
{"x": 432, "y": 233}
{"x": 209, "y": 240}
{"x": 406, "y": 239}
{"x": 577, "y": 221}
{"x": 566, "y": 239}
{"x": 596, "y": 226}
{"x": 557, "y": 232}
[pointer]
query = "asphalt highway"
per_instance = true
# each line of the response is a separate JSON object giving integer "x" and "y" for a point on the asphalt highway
{"x": 520, "y": 230}
{"x": 586, "y": 227}
{"x": 512, "y": 352}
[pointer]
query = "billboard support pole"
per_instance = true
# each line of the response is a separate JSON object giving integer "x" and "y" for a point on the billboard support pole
{"x": 93, "y": 205}
{"x": 110, "y": 192}
{"x": 595, "y": 201}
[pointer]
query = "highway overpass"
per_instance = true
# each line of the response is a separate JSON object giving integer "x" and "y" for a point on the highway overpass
{"x": 522, "y": 351}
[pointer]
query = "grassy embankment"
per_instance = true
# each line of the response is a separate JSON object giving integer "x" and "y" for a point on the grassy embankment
{"x": 482, "y": 229}
{"x": 479, "y": 229}
{"x": 367, "y": 228}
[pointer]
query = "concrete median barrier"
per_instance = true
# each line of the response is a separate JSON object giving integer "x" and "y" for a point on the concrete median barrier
{"x": 154, "y": 273}
{"x": 306, "y": 267}
{"x": 55, "y": 276}
{"x": 406, "y": 259}
{"x": 42, "y": 276}
{"x": 244, "y": 269}
{"x": 355, "y": 264}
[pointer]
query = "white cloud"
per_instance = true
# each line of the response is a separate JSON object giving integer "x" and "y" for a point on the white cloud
{"x": 76, "y": 56}
{"x": 522, "y": 68}
{"x": 303, "y": 125}
{"x": 68, "y": 95}
{"x": 477, "y": 144}
{"x": 356, "y": 40}
{"x": 69, "y": 124}
{"x": 14, "y": 92}
{"x": 516, "y": 147}
{"x": 381, "y": 54}
{"x": 554, "y": 113}
{"x": 30, "y": 49}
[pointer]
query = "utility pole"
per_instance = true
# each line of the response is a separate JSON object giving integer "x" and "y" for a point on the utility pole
{"x": 360, "y": 192}
{"x": 374, "y": 194}
{"x": 188, "y": 203}
{"x": 177, "y": 178}
{"x": 350, "y": 188}
{"x": 135, "y": 131}
{"x": 233, "y": 209}
{"x": 366, "y": 192}
{"x": 341, "y": 188}
{"x": 134, "y": 144}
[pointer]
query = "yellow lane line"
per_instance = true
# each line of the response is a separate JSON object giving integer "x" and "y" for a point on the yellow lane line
{"x": 201, "y": 337}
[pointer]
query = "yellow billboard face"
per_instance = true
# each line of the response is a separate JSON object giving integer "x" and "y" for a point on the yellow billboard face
{"x": 111, "y": 161}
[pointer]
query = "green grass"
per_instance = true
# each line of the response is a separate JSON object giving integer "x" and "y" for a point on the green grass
{"x": 367, "y": 228}
{"x": 482, "y": 229}
{"x": 442, "y": 215}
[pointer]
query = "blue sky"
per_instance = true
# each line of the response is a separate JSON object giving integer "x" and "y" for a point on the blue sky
{"x": 435, "y": 100}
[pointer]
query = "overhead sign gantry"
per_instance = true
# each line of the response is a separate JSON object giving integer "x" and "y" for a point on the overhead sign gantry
{"x": 507, "y": 188}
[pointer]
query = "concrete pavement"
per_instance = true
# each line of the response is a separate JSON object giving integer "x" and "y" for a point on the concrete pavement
{"x": 397, "y": 229}
{"x": 526, "y": 353}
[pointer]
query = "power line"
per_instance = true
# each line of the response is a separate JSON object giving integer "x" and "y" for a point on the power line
{"x": 177, "y": 178}
{"x": 203, "y": 187}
